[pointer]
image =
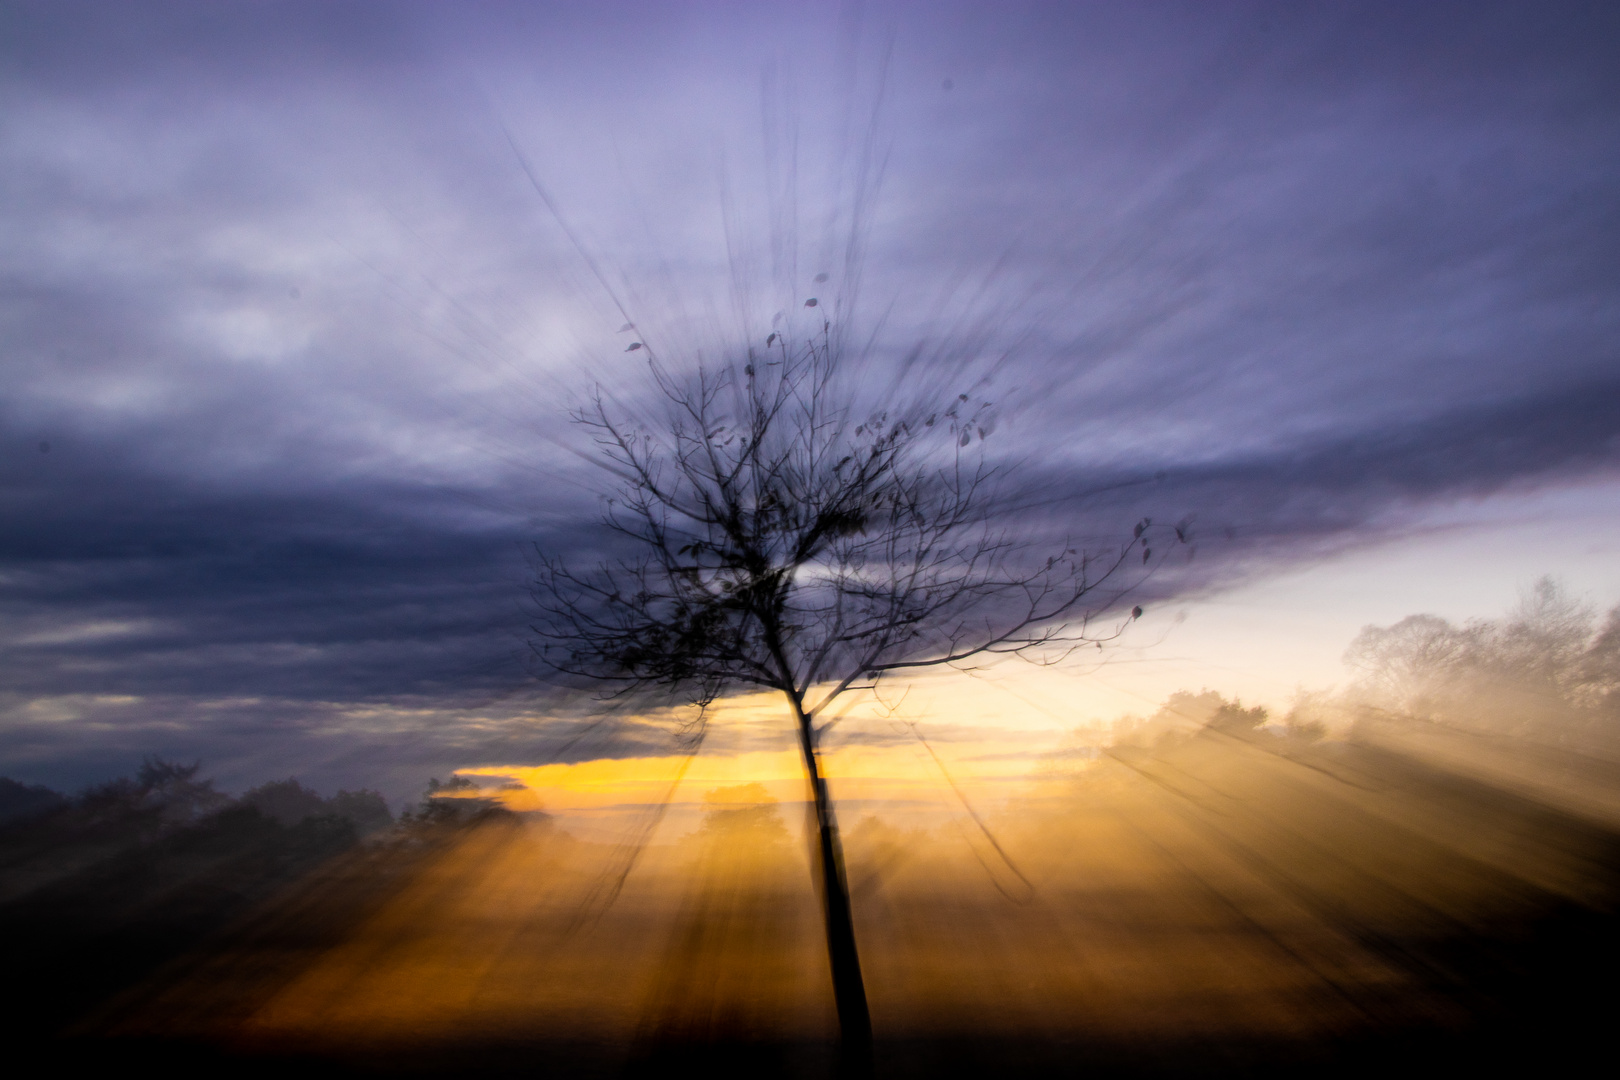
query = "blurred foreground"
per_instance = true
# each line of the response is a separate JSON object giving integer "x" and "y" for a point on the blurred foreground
{"x": 1229, "y": 901}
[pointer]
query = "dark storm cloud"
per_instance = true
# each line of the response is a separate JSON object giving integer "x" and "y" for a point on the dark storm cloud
{"x": 1355, "y": 488}
{"x": 313, "y": 597}
{"x": 300, "y": 338}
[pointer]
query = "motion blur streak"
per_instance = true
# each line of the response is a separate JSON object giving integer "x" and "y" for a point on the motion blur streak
{"x": 1213, "y": 900}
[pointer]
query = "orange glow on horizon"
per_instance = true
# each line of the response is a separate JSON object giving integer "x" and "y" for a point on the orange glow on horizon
{"x": 902, "y": 773}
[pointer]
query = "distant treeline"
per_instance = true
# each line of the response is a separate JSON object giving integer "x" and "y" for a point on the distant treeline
{"x": 1548, "y": 670}
{"x": 163, "y": 795}
{"x": 99, "y": 889}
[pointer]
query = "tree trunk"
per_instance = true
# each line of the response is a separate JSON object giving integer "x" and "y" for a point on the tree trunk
{"x": 849, "y": 991}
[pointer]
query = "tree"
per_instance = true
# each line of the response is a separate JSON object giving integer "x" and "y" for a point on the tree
{"x": 774, "y": 536}
{"x": 1413, "y": 663}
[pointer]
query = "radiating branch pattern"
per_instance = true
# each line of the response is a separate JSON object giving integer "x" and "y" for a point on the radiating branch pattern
{"x": 779, "y": 541}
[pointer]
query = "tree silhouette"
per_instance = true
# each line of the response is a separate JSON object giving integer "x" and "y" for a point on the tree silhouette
{"x": 774, "y": 536}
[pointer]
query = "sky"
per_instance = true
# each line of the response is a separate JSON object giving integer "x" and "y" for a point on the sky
{"x": 297, "y": 298}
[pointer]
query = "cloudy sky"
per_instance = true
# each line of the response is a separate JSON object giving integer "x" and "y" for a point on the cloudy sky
{"x": 290, "y": 335}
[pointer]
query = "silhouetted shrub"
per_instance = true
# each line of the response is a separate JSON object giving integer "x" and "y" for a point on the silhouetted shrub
{"x": 21, "y": 802}
{"x": 289, "y": 802}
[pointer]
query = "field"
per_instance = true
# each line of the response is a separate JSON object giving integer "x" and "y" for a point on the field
{"x": 1223, "y": 902}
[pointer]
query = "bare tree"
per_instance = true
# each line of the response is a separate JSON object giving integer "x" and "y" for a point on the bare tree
{"x": 776, "y": 537}
{"x": 1546, "y": 668}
